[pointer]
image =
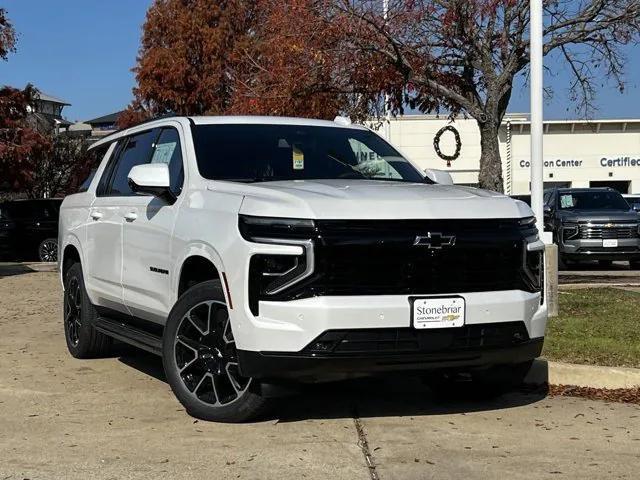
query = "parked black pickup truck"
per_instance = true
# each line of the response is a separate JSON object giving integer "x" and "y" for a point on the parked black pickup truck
{"x": 592, "y": 224}
{"x": 29, "y": 229}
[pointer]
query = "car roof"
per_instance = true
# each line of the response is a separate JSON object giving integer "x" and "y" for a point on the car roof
{"x": 228, "y": 120}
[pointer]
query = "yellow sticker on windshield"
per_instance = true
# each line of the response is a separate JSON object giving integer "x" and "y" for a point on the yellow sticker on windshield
{"x": 298, "y": 158}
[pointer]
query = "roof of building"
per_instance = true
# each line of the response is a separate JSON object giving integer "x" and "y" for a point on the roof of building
{"x": 50, "y": 98}
{"x": 109, "y": 118}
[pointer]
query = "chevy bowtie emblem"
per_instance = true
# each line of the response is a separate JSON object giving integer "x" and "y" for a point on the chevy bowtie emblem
{"x": 435, "y": 240}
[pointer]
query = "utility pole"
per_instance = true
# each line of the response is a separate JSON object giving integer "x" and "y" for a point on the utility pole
{"x": 535, "y": 49}
{"x": 536, "y": 41}
{"x": 387, "y": 112}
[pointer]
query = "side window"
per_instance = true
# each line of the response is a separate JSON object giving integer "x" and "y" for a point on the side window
{"x": 136, "y": 151}
{"x": 168, "y": 151}
{"x": 91, "y": 163}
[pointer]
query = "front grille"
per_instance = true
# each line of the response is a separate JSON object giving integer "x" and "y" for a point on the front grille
{"x": 608, "y": 231}
{"x": 362, "y": 257}
{"x": 368, "y": 257}
{"x": 408, "y": 340}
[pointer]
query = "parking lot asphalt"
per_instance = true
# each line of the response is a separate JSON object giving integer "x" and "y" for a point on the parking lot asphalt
{"x": 116, "y": 418}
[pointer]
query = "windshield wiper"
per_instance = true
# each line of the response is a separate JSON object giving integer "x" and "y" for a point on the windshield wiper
{"x": 354, "y": 169}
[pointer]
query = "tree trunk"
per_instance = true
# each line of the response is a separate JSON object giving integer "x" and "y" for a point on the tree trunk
{"x": 490, "y": 176}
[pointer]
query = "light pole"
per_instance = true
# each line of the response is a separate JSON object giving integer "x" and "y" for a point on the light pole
{"x": 536, "y": 41}
{"x": 535, "y": 51}
{"x": 387, "y": 113}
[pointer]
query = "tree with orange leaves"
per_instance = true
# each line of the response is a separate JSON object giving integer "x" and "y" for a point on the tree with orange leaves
{"x": 319, "y": 58}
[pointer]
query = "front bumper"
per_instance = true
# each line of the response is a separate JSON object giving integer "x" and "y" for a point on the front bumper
{"x": 310, "y": 368}
{"x": 291, "y": 326}
{"x": 501, "y": 328}
{"x": 593, "y": 249}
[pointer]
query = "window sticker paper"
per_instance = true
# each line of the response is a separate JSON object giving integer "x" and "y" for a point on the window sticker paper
{"x": 163, "y": 152}
{"x": 566, "y": 201}
{"x": 298, "y": 158}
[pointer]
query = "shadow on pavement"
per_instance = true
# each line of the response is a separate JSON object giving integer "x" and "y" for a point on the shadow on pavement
{"x": 11, "y": 269}
{"x": 142, "y": 361}
{"x": 368, "y": 397}
{"x": 594, "y": 266}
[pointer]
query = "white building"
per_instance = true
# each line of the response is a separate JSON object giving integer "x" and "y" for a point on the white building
{"x": 577, "y": 153}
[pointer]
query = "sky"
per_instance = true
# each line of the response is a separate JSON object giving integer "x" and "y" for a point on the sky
{"x": 83, "y": 50}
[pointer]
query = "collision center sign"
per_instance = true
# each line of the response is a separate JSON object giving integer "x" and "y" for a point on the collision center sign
{"x": 605, "y": 162}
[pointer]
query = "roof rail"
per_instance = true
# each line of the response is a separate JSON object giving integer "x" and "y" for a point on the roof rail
{"x": 148, "y": 120}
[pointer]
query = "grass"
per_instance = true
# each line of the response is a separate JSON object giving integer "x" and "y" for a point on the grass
{"x": 596, "y": 326}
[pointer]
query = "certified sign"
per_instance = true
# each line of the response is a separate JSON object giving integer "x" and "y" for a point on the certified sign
{"x": 438, "y": 312}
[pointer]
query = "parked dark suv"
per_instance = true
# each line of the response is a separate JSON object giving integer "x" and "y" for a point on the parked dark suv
{"x": 592, "y": 224}
{"x": 7, "y": 235}
{"x": 29, "y": 229}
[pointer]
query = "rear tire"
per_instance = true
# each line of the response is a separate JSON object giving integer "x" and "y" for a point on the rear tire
{"x": 200, "y": 359}
{"x": 83, "y": 341}
{"x": 634, "y": 264}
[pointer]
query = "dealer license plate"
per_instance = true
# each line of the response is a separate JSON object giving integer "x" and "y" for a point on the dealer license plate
{"x": 438, "y": 312}
{"x": 610, "y": 243}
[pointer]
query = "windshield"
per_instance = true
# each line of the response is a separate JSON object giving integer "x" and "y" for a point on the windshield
{"x": 592, "y": 201}
{"x": 258, "y": 153}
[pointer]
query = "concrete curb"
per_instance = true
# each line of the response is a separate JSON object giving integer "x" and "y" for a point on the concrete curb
{"x": 556, "y": 373}
{"x": 580, "y": 286}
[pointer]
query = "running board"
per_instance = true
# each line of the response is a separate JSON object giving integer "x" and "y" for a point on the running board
{"x": 128, "y": 334}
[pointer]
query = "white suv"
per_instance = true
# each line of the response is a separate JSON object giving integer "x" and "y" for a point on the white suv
{"x": 250, "y": 252}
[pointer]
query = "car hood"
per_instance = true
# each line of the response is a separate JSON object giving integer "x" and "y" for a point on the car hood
{"x": 599, "y": 216}
{"x": 371, "y": 199}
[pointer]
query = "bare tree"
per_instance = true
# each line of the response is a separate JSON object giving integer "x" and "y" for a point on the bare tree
{"x": 54, "y": 171}
{"x": 462, "y": 56}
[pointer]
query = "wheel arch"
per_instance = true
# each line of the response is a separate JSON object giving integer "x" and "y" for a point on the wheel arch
{"x": 70, "y": 252}
{"x": 199, "y": 263}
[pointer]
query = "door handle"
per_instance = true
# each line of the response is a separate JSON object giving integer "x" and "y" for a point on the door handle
{"x": 96, "y": 215}
{"x": 131, "y": 216}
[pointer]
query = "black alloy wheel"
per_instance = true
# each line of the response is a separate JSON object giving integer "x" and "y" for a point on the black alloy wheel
{"x": 79, "y": 316}
{"x": 48, "y": 250}
{"x": 73, "y": 311}
{"x": 205, "y": 355}
{"x": 201, "y": 361}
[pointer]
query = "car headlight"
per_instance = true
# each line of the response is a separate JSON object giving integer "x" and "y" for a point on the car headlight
{"x": 270, "y": 274}
{"x": 256, "y": 229}
{"x": 569, "y": 231}
{"x": 529, "y": 229}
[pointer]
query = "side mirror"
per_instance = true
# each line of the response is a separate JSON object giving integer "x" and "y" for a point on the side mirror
{"x": 152, "y": 179}
{"x": 547, "y": 210}
{"x": 439, "y": 176}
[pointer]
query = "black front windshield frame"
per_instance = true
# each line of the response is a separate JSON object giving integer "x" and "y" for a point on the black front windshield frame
{"x": 267, "y": 152}
{"x": 591, "y": 200}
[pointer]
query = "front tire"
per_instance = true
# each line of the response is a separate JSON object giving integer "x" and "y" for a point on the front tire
{"x": 200, "y": 359}
{"x": 83, "y": 341}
